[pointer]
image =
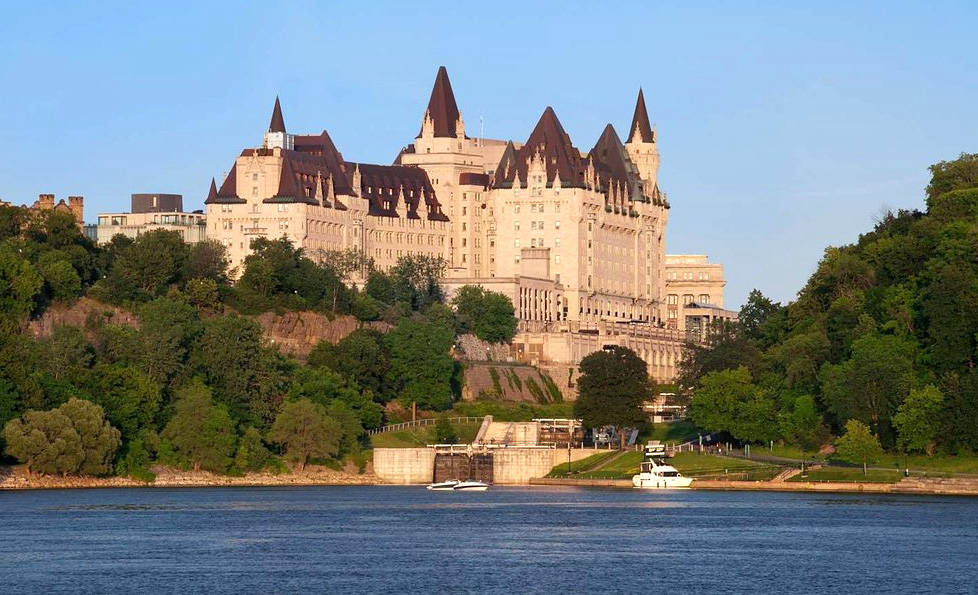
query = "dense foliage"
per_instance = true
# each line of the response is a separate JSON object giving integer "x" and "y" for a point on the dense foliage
{"x": 195, "y": 383}
{"x": 613, "y": 386}
{"x": 884, "y": 334}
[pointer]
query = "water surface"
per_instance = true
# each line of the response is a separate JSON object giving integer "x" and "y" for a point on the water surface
{"x": 556, "y": 540}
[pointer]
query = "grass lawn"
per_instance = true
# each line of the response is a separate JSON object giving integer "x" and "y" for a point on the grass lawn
{"x": 936, "y": 463}
{"x": 711, "y": 466}
{"x": 592, "y": 461}
{"x": 422, "y": 436}
{"x": 677, "y": 431}
{"x": 624, "y": 467}
{"x": 853, "y": 474}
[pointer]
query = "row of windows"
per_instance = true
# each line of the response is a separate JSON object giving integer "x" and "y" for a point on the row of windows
{"x": 687, "y": 276}
{"x": 673, "y": 299}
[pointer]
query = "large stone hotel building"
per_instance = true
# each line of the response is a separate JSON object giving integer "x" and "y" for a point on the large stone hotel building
{"x": 575, "y": 238}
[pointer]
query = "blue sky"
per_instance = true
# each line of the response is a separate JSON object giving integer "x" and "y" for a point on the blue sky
{"x": 782, "y": 129}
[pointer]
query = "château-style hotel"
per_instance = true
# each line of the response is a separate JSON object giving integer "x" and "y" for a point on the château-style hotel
{"x": 576, "y": 239}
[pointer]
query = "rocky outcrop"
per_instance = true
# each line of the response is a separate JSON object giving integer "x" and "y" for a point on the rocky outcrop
{"x": 85, "y": 310}
{"x": 296, "y": 333}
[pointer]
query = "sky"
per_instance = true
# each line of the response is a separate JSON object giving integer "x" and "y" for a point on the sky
{"x": 782, "y": 129}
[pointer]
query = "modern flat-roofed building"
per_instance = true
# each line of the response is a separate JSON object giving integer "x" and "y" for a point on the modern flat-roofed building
{"x": 150, "y": 212}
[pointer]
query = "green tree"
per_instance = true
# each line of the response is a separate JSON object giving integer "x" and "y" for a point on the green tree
{"x": 872, "y": 383}
{"x": 243, "y": 373}
{"x": 727, "y": 401}
{"x": 488, "y": 314}
{"x": 252, "y": 455}
{"x": 858, "y": 445}
{"x": 201, "y": 431}
{"x": 953, "y": 175}
{"x": 755, "y": 313}
{"x": 444, "y": 432}
{"x": 305, "y": 431}
{"x": 168, "y": 329}
{"x": 917, "y": 420}
{"x": 362, "y": 356}
{"x": 146, "y": 268}
{"x": 130, "y": 398}
{"x": 802, "y": 425}
{"x": 726, "y": 348}
{"x": 60, "y": 278}
{"x": 20, "y": 284}
{"x": 208, "y": 259}
{"x": 613, "y": 385}
{"x": 421, "y": 367}
{"x": 74, "y": 438}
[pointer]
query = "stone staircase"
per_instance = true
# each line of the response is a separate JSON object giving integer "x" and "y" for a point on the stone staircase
{"x": 508, "y": 432}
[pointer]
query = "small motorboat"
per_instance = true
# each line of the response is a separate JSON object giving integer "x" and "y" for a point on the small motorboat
{"x": 471, "y": 486}
{"x": 444, "y": 486}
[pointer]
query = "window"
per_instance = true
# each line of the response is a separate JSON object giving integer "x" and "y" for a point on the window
{"x": 516, "y": 243}
{"x": 703, "y": 298}
{"x": 556, "y": 224}
{"x": 516, "y": 225}
{"x": 254, "y": 177}
{"x": 687, "y": 299}
{"x": 557, "y": 259}
{"x": 516, "y": 209}
{"x": 672, "y": 299}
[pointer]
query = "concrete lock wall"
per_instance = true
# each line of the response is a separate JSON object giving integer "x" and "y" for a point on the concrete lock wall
{"x": 404, "y": 465}
{"x": 515, "y": 466}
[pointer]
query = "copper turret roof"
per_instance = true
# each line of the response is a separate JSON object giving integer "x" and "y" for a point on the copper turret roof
{"x": 612, "y": 164}
{"x": 640, "y": 130}
{"x": 442, "y": 108}
{"x": 277, "y": 123}
{"x": 211, "y": 193}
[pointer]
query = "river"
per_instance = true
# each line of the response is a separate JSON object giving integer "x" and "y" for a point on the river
{"x": 406, "y": 539}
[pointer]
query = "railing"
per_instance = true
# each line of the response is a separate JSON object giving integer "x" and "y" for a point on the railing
{"x": 427, "y": 421}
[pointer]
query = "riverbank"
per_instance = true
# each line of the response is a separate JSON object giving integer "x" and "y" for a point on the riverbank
{"x": 931, "y": 487}
{"x": 16, "y": 478}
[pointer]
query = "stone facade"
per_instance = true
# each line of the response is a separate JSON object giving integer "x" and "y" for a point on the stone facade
{"x": 694, "y": 294}
{"x": 575, "y": 238}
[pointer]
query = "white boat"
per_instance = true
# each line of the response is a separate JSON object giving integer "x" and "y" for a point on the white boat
{"x": 655, "y": 474}
{"x": 445, "y": 486}
{"x": 471, "y": 486}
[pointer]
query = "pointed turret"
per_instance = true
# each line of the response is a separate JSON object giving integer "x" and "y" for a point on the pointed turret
{"x": 445, "y": 120}
{"x": 550, "y": 144}
{"x": 277, "y": 124}
{"x": 212, "y": 193}
{"x": 641, "y": 131}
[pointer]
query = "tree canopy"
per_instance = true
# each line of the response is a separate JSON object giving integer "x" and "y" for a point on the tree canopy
{"x": 613, "y": 386}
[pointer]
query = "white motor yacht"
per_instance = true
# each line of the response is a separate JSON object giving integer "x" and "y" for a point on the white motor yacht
{"x": 655, "y": 474}
{"x": 445, "y": 486}
{"x": 471, "y": 486}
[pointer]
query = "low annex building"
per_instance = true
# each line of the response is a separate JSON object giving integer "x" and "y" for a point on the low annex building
{"x": 150, "y": 212}
{"x": 575, "y": 238}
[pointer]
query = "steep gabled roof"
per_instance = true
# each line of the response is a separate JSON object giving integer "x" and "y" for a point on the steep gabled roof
{"x": 506, "y": 163}
{"x": 640, "y": 130}
{"x": 228, "y": 193}
{"x": 382, "y": 185}
{"x": 442, "y": 108}
{"x": 277, "y": 124}
{"x": 321, "y": 145}
{"x": 554, "y": 146}
{"x": 612, "y": 164}
{"x": 609, "y": 156}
